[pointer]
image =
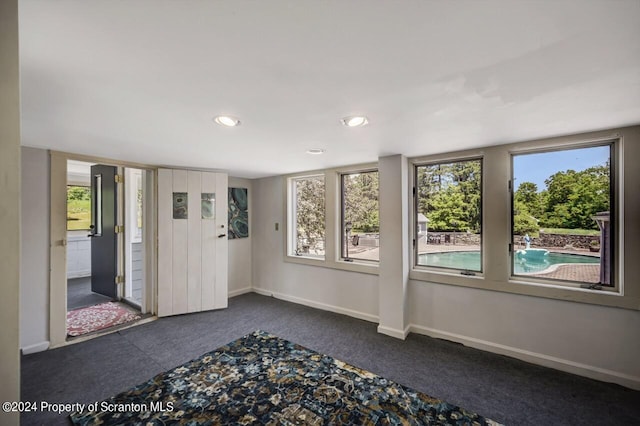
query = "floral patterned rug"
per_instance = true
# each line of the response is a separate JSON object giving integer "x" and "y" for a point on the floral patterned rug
{"x": 261, "y": 379}
{"x": 98, "y": 317}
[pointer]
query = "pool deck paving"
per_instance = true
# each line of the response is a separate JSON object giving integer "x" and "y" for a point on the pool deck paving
{"x": 583, "y": 272}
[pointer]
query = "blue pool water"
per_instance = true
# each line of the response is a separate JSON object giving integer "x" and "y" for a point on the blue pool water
{"x": 470, "y": 260}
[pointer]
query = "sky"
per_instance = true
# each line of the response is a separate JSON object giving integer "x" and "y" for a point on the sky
{"x": 538, "y": 167}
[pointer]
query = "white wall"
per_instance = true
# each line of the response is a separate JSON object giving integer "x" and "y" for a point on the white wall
{"x": 240, "y": 259}
{"x": 79, "y": 254}
{"x": 351, "y": 293}
{"x": 9, "y": 208}
{"x": 34, "y": 265}
{"x": 595, "y": 341}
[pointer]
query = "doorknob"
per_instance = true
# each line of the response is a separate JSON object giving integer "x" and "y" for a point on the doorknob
{"x": 222, "y": 235}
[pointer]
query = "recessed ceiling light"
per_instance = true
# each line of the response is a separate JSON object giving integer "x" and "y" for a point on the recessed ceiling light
{"x": 355, "y": 121}
{"x": 226, "y": 120}
{"x": 315, "y": 151}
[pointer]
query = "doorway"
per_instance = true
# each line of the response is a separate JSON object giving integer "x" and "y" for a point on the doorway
{"x": 107, "y": 240}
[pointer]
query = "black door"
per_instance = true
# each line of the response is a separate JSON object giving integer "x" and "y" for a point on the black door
{"x": 104, "y": 242}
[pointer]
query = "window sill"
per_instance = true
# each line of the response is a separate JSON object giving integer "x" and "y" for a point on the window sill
{"x": 357, "y": 266}
{"x": 310, "y": 260}
{"x": 361, "y": 267}
{"x": 444, "y": 276}
{"x": 557, "y": 291}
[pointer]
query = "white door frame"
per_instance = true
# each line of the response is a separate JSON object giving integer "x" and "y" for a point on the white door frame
{"x": 58, "y": 241}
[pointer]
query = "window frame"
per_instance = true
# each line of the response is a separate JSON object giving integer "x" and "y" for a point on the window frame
{"x": 341, "y": 222}
{"x": 415, "y": 224}
{"x": 292, "y": 216}
{"x": 332, "y": 257}
{"x": 497, "y": 225}
{"x": 615, "y": 188}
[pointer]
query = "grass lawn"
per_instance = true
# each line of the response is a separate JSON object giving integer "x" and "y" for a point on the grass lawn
{"x": 78, "y": 214}
{"x": 564, "y": 231}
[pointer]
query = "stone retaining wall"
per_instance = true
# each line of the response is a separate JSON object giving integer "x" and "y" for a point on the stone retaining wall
{"x": 366, "y": 240}
{"x": 468, "y": 239}
{"x": 459, "y": 238}
{"x": 544, "y": 240}
{"x": 560, "y": 240}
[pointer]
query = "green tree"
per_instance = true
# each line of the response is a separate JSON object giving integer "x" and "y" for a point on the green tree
{"x": 360, "y": 191}
{"x": 572, "y": 198}
{"x": 448, "y": 210}
{"x": 467, "y": 175}
{"x": 590, "y": 196}
{"x": 523, "y": 221}
{"x": 449, "y": 195}
{"x": 310, "y": 212}
{"x": 78, "y": 193}
{"x": 527, "y": 194}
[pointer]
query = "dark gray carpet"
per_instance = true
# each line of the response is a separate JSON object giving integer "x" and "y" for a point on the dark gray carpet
{"x": 501, "y": 388}
{"x": 79, "y": 294}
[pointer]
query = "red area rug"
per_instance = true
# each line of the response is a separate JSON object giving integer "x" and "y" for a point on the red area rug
{"x": 98, "y": 317}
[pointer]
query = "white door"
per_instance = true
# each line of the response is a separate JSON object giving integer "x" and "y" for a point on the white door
{"x": 192, "y": 241}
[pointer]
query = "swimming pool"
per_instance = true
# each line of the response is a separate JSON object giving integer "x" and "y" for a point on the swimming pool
{"x": 470, "y": 260}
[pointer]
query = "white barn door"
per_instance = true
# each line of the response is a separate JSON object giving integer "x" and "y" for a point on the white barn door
{"x": 192, "y": 241}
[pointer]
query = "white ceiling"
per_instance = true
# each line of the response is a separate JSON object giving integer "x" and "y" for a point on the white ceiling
{"x": 140, "y": 80}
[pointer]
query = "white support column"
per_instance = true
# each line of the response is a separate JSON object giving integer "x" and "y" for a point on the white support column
{"x": 394, "y": 245}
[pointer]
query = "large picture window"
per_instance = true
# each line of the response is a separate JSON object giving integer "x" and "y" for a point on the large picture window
{"x": 307, "y": 207}
{"x": 360, "y": 230}
{"x": 449, "y": 215}
{"x": 562, "y": 215}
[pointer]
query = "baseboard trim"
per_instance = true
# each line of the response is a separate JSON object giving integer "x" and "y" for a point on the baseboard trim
{"x": 38, "y": 347}
{"x": 240, "y": 291}
{"x": 394, "y": 332}
{"x": 262, "y": 292}
{"x": 561, "y": 364}
{"x": 317, "y": 305}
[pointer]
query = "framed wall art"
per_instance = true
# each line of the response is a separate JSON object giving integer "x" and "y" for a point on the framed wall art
{"x": 238, "y": 213}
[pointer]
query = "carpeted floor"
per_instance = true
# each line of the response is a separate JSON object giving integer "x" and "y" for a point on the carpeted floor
{"x": 261, "y": 379}
{"x": 501, "y": 388}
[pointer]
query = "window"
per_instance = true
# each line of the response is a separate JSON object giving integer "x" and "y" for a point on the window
{"x": 78, "y": 207}
{"x": 360, "y": 230}
{"x": 562, "y": 215}
{"x": 307, "y": 207}
{"x": 449, "y": 215}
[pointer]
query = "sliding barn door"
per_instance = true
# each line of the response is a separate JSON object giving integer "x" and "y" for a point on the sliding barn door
{"x": 192, "y": 241}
